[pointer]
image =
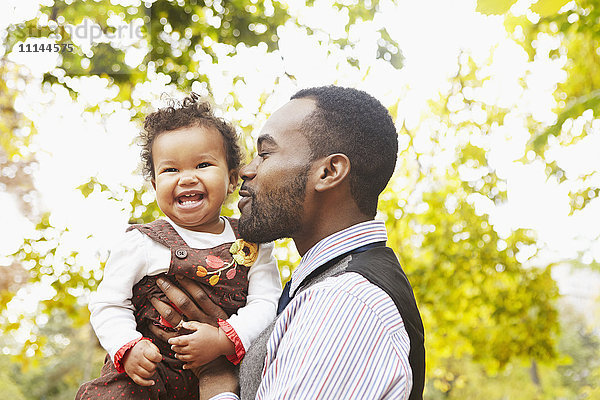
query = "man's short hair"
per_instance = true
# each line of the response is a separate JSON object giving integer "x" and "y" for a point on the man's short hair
{"x": 354, "y": 123}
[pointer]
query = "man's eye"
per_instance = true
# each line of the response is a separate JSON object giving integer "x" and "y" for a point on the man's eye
{"x": 203, "y": 165}
{"x": 263, "y": 154}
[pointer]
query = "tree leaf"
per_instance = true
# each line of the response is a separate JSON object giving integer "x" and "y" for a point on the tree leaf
{"x": 494, "y": 7}
{"x": 548, "y": 7}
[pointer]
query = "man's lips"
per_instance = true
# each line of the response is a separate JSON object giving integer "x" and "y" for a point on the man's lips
{"x": 246, "y": 198}
{"x": 242, "y": 203}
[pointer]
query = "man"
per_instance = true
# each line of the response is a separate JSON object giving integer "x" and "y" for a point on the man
{"x": 352, "y": 328}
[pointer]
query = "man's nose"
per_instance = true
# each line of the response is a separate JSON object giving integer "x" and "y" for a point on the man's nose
{"x": 248, "y": 171}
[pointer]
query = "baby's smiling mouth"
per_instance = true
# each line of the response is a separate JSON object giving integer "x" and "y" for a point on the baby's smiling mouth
{"x": 189, "y": 199}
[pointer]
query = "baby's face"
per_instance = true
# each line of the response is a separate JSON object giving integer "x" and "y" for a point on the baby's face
{"x": 192, "y": 179}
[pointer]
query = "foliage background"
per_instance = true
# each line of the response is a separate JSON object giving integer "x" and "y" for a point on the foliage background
{"x": 510, "y": 99}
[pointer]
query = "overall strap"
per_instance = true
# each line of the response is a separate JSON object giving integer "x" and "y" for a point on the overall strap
{"x": 161, "y": 231}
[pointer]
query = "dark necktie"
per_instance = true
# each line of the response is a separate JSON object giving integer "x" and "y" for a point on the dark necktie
{"x": 285, "y": 295}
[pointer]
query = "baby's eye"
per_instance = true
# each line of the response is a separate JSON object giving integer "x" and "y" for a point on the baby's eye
{"x": 203, "y": 165}
{"x": 170, "y": 169}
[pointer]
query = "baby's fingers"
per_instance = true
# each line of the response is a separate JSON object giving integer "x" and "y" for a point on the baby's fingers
{"x": 152, "y": 354}
{"x": 141, "y": 378}
{"x": 145, "y": 368}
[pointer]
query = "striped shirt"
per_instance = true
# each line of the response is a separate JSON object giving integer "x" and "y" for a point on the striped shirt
{"x": 341, "y": 338}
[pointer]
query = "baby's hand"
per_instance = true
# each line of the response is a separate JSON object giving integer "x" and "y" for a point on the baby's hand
{"x": 204, "y": 345}
{"x": 140, "y": 362}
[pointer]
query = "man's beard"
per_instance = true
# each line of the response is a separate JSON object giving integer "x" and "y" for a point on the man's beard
{"x": 275, "y": 214}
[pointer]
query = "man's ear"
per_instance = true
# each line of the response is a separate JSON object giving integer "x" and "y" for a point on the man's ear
{"x": 233, "y": 181}
{"x": 332, "y": 171}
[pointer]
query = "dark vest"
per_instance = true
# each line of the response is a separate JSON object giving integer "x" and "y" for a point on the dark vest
{"x": 380, "y": 267}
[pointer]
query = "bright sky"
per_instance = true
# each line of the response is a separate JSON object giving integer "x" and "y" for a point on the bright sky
{"x": 73, "y": 145}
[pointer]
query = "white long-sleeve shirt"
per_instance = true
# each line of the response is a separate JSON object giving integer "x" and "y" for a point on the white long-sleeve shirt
{"x": 136, "y": 255}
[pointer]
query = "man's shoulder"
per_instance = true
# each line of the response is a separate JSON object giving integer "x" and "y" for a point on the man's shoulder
{"x": 349, "y": 297}
{"x": 359, "y": 273}
{"x": 333, "y": 289}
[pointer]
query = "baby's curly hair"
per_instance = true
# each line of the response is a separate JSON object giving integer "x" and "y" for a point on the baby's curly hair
{"x": 192, "y": 111}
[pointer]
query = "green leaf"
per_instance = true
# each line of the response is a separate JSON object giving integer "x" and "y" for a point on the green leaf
{"x": 494, "y": 7}
{"x": 86, "y": 189}
{"x": 548, "y": 7}
{"x": 575, "y": 108}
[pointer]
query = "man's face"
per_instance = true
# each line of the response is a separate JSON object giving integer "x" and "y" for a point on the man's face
{"x": 274, "y": 188}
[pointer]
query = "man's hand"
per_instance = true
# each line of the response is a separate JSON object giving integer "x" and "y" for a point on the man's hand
{"x": 194, "y": 304}
{"x": 140, "y": 362}
{"x": 205, "y": 344}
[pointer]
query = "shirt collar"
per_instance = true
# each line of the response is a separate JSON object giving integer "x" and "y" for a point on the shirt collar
{"x": 335, "y": 245}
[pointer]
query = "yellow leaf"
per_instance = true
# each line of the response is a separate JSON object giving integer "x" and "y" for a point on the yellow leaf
{"x": 494, "y": 7}
{"x": 213, "y": 280}
{"x": 546, "y": 8}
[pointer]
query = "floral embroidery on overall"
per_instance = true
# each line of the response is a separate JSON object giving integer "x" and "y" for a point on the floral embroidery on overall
{"x": 244, "y": 253}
